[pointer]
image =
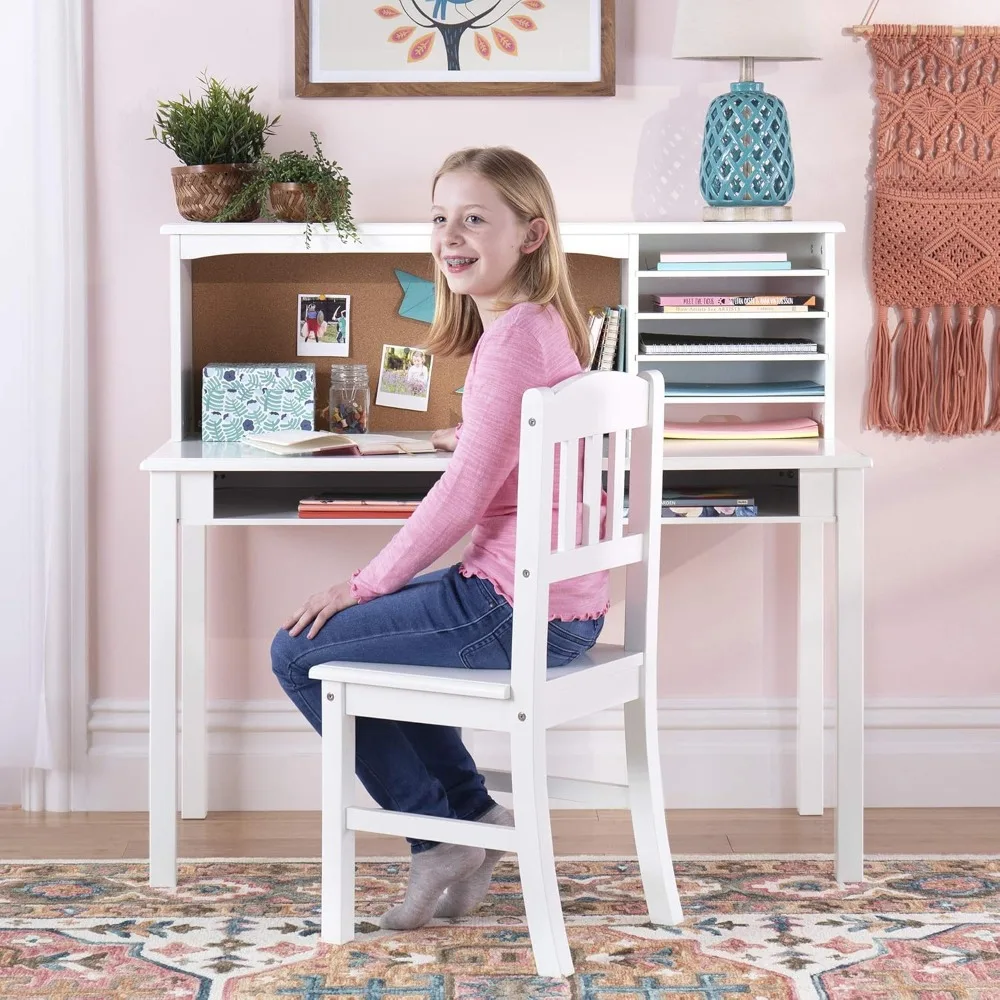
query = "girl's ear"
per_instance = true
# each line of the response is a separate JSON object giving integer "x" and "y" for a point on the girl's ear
{"x": 535, "y": 235}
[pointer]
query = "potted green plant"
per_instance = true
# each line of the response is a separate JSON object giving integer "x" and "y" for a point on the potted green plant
{"x": 218, "y": 138}
{"x": 299, "y": 187}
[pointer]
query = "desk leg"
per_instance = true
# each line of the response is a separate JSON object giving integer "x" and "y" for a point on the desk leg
{"x": 849, "y": 836}
{"x": 809, "y": 700}
{"x": 163, "y": 511}
{"x": 194, "y": 747}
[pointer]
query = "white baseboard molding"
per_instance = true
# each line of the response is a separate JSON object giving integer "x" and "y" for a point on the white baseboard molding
{"x": 716, "y": 754}
{"x": 11, "y": 786}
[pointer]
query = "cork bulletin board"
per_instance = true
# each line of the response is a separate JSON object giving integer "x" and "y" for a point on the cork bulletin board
{"x": 244, "y": 309}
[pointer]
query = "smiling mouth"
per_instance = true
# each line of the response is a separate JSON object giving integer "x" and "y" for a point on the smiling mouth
{"x": 456, "y": 263}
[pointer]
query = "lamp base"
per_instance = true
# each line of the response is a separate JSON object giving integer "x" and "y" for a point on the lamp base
{"x": 747, "y": 213}
{"x": 746, "y": 152}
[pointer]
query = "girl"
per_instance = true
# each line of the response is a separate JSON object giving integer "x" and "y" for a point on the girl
{"x": 502, "y": 296}
{"x": 417, "y": 374}
{"x": 312, "y": 322}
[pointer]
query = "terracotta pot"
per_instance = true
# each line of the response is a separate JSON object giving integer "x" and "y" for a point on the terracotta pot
{"x": 203, "y": 191}
{"x": 288, "y": 203}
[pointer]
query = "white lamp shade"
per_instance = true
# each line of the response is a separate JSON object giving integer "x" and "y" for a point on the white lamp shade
{"x": 760, "y": 29}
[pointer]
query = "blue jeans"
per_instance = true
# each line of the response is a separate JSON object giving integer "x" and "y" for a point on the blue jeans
{"x": 440, "y": 619}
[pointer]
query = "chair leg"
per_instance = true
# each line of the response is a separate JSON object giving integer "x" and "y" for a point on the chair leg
{"x": 337, "y": 893}
{"x": 535, "y": 857}
{"x": 648, "y": 817}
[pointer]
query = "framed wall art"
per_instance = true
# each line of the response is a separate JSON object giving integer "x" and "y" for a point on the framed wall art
{"x": 450, "y": 48}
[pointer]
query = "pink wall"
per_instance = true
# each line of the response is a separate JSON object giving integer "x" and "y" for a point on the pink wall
{"x": 933, "y": 585}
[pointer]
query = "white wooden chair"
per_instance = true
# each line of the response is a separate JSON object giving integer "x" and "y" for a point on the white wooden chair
{"x": 530, "y": 699}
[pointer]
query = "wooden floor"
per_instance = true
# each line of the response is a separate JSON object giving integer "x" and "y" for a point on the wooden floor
{"x": 296, "y": 834}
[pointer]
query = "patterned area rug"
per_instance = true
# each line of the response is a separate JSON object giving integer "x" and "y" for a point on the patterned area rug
{"x": 755, "y": 928}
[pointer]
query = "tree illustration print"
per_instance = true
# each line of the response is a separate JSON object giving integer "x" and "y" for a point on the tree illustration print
{"x": 449, "y": 20}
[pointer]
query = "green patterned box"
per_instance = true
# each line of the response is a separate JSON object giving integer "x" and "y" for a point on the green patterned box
{"x": 245, "y": 399}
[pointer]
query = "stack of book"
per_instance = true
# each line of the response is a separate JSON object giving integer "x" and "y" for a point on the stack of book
{"x": 367, "y": 509}
{"x": 706, "y": 502}
{"x": 681, "y": 304}
{"x": 746, "y": 260}
{"x": 607, "y": 339}
{"x": 740, "y": 430}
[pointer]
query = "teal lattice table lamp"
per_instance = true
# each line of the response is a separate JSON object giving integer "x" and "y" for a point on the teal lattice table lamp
{"x": 747, "y": 169}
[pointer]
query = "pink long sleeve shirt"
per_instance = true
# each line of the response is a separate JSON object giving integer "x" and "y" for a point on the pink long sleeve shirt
{"x": 526, "y": 347}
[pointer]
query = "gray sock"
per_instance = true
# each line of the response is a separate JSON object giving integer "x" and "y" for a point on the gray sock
{"x": 462, "y": 897}
{"x": 431, "y": 872}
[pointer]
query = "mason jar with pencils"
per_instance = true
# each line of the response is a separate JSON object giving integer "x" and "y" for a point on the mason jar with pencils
{"x": 350, "y": 399}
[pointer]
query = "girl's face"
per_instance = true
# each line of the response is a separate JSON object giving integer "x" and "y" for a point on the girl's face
{"x": 477, "y": 239}
{"x": 417, "y": 359}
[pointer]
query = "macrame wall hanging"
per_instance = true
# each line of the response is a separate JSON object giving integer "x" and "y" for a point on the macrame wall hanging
{"x": 935, "y": 241}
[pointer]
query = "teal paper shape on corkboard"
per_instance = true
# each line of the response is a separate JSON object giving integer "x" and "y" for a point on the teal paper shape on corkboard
{"x": 418, "y": 297}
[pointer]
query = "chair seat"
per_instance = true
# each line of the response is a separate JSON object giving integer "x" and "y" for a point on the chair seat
{"x": 494, "y": 684}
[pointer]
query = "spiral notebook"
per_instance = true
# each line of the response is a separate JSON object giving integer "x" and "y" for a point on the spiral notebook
{"x": 671, "y": 343}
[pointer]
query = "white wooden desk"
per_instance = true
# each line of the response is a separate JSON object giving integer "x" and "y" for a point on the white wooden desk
{"x": 184, "y": 493}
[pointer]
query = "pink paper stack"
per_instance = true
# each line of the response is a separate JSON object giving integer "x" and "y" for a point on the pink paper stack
{"x": 760, "y": 430}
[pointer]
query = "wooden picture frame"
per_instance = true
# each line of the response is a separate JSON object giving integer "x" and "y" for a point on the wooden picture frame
{"x": 411, "y": 16}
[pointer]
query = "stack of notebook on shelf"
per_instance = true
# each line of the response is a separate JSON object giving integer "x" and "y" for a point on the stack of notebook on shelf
{"x": 706, "y": 502}
{"x": 749, "y": 260}
{"x": 741, "y": 430}
{"x": 670, "y": 343}
{"x": 368, "y": 509}
{"x": 801, "y": 387}
{"x": 681, "y": 304}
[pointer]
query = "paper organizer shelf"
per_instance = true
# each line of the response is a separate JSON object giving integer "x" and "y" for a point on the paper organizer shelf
{"x": 241, "y": 399}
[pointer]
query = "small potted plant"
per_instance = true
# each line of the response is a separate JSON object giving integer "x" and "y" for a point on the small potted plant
{"x": 218, "y": 138}
{"x": 299, "y": 187}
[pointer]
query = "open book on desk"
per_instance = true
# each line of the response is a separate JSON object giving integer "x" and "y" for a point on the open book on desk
{"x": 330, "y": 443}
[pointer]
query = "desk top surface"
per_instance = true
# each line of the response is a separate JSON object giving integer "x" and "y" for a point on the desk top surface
{"x": 196, "y": 456}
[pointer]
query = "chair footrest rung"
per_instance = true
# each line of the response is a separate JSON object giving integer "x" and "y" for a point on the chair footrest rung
{"x": 446, "y": 831}
{"x": 600, "y": 794}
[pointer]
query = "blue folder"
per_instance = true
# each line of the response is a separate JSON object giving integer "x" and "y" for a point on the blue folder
{"x": 800, "y": 388}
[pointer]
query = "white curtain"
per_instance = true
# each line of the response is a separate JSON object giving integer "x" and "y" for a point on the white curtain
{"x": 43, "y": 394}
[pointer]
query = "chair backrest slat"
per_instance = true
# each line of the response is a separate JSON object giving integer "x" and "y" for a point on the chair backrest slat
{"x": 616, "y": 484}
{"x": 569, "y": 470}
{"x": 593, "y": 460}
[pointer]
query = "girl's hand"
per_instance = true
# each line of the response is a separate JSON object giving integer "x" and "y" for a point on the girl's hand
{"x": 444, "y": 440}
{"x": 319, "y": 609}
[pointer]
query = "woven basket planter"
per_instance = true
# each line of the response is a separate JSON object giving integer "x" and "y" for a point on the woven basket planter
{"x": 288, "y": 203}
{"x": 204, "y": 191}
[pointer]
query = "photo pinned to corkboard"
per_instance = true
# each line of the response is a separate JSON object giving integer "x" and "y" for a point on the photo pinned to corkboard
{"x": 404, "y": 379}
{"x": 324, "y": 326}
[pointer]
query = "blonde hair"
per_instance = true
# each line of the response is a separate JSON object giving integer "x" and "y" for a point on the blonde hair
{"x": 541, "y": 276}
